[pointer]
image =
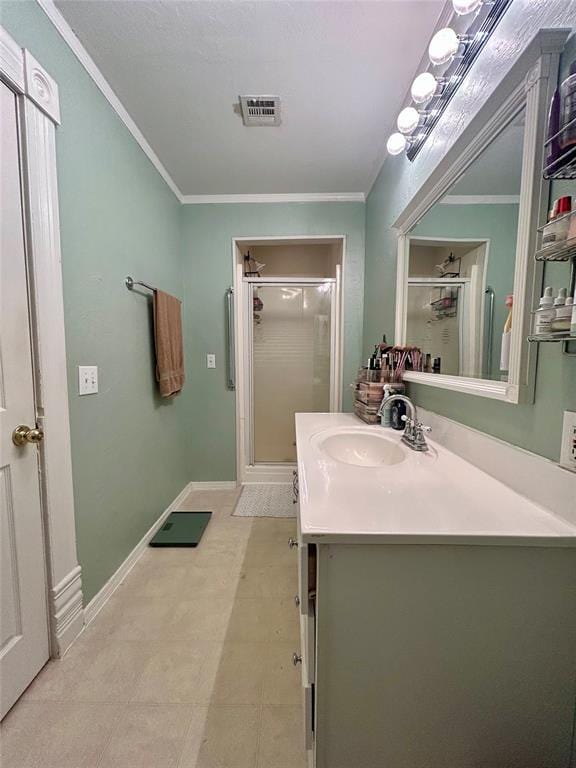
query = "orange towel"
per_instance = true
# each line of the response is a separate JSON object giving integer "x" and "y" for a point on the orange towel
{"x": 168, "y": 342}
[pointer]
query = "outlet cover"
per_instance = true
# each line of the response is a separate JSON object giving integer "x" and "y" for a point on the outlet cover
{"x": 87, "y": 379}
{"x": 210, "y": 361}
{"x": 568, "y": 450}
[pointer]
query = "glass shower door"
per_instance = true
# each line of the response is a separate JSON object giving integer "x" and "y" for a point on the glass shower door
{"x": 291, "y": 363}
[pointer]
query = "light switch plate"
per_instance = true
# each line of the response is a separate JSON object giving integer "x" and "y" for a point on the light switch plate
{"x": 210, "y": 361}
{"x": 568, "y": 451}
{"x": 87, "y": 379}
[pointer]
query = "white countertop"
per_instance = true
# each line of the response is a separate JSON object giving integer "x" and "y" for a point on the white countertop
{"x": 432, "y": 497}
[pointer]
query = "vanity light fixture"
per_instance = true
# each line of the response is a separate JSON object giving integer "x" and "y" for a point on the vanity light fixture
{"x": 408, "y": 120}
{"x": 445, "y": 45}
{"x": 464, "y": 7}
{"x": 455, "y": 53}
{"x": 424, "y": 87}
{"x": 396, "y": 144}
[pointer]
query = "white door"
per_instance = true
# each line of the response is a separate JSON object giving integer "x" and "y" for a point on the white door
{"x": 23, "y": 613}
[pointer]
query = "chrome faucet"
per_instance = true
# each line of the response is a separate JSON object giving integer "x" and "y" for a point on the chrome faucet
{"x": 414, "y": 431}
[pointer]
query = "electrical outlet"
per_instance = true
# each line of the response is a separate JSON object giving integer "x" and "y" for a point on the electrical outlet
{"x": 568, "y": 451}
{"x": 210, "y": 361}
{"x": 87, "y": 379}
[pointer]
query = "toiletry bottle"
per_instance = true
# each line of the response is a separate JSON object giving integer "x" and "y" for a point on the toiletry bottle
{"x": 553, "y": 147}
{"x": 563, "y": 317}
{"x": 568, "y": 112}
{"x": 562, "y": 219}
{"x": 545, "y": 313}
{"x": 549, "y": 231}
{"x": 506, "y": 335}
{"x": 559, "y": 301}
{"x": 436, "y": 365}
{"x": 552, "y": 136}
{"x": 386, "y": 419}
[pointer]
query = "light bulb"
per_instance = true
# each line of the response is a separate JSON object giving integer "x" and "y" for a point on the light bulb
{"x": 443, "y": 46}
{"x": 423, "y": 87}
{"x": 462, "y": 7}
{"x": 396, "y": 144}
{"x": 408, "y": 120}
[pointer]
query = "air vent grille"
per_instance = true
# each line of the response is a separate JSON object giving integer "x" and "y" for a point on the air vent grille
{"x": 260, "y": 110}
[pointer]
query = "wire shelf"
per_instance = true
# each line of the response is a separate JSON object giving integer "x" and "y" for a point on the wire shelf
{"x": 552, "y": 336}
{"x": 562, "y": 250}
{"x": 564, "y": 167}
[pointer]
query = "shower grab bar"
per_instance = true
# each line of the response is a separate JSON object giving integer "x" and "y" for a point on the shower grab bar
{"x": 489, "y": 343}
{"x": 230, "y": 362}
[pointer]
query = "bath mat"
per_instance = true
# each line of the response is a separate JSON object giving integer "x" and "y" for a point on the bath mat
{"x": 182, "y": 529}
{"x": 273, "y": 500}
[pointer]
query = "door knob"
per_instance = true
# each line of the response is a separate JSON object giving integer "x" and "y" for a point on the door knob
{"x": 23, "y": 434}
{"x": 296, "y": 659}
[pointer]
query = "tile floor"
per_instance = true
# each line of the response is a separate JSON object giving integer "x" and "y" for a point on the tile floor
{"x": 187, "y": 666}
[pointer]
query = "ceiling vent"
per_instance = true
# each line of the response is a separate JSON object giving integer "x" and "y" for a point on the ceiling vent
{"x": 260, "y": 110}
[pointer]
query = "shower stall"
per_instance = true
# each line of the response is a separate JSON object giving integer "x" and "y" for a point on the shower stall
{"x": 290, "y": 341}
{"x": 287, "y": 361}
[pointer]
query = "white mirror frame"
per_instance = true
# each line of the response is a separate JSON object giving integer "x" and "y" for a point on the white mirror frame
{"x": 529, "y": 84}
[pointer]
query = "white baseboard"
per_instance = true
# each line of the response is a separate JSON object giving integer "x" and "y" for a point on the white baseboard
{"x": 214, "y": 485}
{"x": 99, "y": 600}
{"x": 269, "y": 474}
{"x": 68, "y": 615}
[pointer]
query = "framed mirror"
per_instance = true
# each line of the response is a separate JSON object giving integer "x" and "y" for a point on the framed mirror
{"x": 467, "y": 279}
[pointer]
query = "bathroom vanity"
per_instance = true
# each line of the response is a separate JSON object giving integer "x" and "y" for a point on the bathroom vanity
{"x": 437, "y": 608}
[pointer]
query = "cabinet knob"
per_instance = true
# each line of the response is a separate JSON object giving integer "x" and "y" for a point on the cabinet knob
{"x": 297, "y": 600}
{"x": 296, "y": 659}
{"x": 292, "y": 543}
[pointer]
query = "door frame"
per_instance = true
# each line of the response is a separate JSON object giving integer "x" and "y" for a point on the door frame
{"x": 38, "y": 114}
{"x": 276, "y": 473}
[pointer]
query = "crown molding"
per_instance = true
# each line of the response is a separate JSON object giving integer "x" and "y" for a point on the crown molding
{"x": 89, "y": 65}
{"x": 304, "y": 197}
{"x": 91, "y": 68}
{"x": 480, "y": 200}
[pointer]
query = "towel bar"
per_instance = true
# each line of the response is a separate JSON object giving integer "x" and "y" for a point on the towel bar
{"x": 130, "y": 283}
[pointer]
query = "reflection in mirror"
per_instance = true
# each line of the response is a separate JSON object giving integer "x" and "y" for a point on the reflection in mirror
{"x": 461, "y": 266}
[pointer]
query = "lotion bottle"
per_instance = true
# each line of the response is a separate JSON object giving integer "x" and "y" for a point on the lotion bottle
{"x": 545, "y": 313}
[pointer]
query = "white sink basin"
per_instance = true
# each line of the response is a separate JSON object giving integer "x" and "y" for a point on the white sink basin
{"x": 361, "y": 448}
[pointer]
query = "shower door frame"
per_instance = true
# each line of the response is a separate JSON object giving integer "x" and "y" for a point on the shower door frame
{"x": 276, "y": 472}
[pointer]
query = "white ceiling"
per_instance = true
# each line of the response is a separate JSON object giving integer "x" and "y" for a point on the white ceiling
{"x": 341, "y": 68}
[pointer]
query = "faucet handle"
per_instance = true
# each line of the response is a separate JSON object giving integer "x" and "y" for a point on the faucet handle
{"x": 423, "y": 427}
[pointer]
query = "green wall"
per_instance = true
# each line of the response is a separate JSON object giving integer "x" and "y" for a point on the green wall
{"x": 207, "y": 234}
{"x": 536, "y": 427}
{"x": 498, "y": 223}
{"x": 118, "y": 217}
